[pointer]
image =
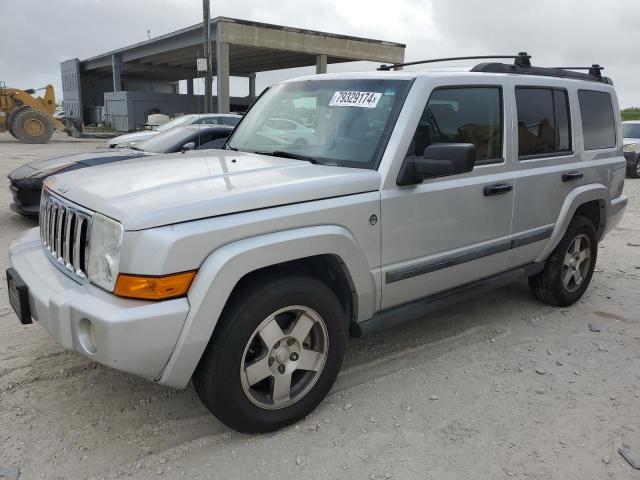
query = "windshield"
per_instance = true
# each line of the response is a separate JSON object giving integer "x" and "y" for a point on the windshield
{"x": 334, "y": 122}
{"x": 165, "y": 142}
{"x": 631, "y": 130}
{"x": 177, "y": 122}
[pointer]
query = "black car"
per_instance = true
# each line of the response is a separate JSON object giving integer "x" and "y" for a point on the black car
{"x": 26, "y": 181}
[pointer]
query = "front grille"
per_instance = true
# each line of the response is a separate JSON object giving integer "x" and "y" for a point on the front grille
{"x": 65, "y": 230}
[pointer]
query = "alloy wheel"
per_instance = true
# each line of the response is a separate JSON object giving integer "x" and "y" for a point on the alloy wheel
{"x": 284, "y": 357}
{"x": 576, "y": 264}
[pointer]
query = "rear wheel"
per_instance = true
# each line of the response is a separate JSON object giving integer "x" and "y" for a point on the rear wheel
{"x": 32, "y": 126}
{"x": 275, "y": 354}
{"x": 569, "y": 268}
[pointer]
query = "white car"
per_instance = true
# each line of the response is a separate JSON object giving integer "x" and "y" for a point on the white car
{"x": 288, "y": 132}
{"x": 129, "y": 139}
{"x": 631, "y": 136}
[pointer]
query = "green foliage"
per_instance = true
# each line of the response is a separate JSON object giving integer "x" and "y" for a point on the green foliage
{"x": 632, "y": 113}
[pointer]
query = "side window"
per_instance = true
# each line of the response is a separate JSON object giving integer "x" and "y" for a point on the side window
{"x": 543, "y": 121}
{"x": 210, "y": 121}
{"x": 212, "y": 144}
{"x": 462, "y": 115}
{"x": 230, "y": 121}
{"x": 598, "y": 123}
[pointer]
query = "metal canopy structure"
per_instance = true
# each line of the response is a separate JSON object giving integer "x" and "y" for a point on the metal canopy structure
{"x": 240, "y": 48}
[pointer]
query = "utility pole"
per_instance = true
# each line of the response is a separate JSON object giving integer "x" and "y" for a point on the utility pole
{"x": 206, "y": 40}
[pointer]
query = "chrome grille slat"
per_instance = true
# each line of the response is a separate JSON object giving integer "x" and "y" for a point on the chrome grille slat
{"x": 66, "y": 250}
{"x": 65, "y": 230}
{"x": 85, "y": 249}
{"x": 59, "y": 234}
{"x": 54, "y": 227}
{"x": 76, "y": 244}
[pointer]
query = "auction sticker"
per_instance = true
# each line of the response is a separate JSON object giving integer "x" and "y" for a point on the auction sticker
{"x": 355, "y": 99}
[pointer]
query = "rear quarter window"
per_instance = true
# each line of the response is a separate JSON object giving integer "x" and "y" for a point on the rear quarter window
{"x": 598, "y": 121}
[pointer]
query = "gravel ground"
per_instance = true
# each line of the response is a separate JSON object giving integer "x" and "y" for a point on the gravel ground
{"x": 498, "y": 387}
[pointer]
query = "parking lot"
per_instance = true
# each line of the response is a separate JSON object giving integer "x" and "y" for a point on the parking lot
{"x": 499, "y": 387}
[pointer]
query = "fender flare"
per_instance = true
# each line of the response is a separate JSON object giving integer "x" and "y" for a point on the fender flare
{"x": 225, "y": 267}
{"x": 575, "y": 198}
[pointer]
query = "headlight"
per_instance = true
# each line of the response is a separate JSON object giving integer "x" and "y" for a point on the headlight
{"x": 104, "y": 251}
{"x": 630, "y": 147}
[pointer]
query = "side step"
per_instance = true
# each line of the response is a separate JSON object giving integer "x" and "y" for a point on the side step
{"x": 424, "y": 306}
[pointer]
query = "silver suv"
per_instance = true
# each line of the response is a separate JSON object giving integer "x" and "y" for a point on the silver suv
{"x": 245, "y": 269}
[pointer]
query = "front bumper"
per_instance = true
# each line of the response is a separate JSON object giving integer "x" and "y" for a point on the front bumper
{"x": 129, "y": 335}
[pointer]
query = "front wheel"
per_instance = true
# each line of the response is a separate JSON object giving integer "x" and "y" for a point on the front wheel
{"x": 275, "y": 354}
{"x": 569, "y": 268}
{"x": 634, "y": 172}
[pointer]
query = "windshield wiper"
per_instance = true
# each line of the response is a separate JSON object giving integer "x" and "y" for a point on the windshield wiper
{"x": 295, "y": 156}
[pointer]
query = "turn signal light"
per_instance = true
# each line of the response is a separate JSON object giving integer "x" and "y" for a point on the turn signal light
{"x": 154, "y": 288}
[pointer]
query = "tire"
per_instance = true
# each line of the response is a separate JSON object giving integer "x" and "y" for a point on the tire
{"x": 634, "y": 172}
{"x": 12, "y": 116}
{"x": 245, "y": 338}
{"x": 551, "y": 285}
{"x": 32, "y": 126}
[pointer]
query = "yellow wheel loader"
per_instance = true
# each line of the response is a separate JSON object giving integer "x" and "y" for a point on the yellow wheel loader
{"x": 26, "y": 117}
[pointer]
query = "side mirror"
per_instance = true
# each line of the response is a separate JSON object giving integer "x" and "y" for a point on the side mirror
{"x": 438, "y": 160}
{"x": 188, "y": 146}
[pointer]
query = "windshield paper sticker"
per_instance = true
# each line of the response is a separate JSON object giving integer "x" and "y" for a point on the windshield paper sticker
{"x": 355, "y": 99}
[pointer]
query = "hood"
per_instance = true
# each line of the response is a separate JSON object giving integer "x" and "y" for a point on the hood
{"x": 132, "y": 137}
{"x": 627, "y": 141}
{"x": 167, "y": 189}
{"x": 43, "y": 168}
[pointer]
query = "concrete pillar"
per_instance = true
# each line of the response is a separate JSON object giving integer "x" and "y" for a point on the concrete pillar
{"x": 321, "y": 63}
{"x": 222, "y": 72}
{"x": 252, "y": 86}
{"x": 116, "y": 67}
{"x": 189, "y": 86}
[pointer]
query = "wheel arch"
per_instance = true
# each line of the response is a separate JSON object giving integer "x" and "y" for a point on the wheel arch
{"x": 225, "y": 268}
{"x": 591, "y": 201}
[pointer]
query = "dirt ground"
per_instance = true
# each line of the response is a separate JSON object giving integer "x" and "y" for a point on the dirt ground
{"x": 498, "y": 387}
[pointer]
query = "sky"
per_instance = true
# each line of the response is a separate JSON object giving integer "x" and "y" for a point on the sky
{"x": 38, "y": 35}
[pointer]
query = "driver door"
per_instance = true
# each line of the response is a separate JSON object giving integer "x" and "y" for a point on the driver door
{"x": 450, "y": 231}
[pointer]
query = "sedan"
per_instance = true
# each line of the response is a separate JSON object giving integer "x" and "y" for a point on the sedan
{"x": 129, "y": 139}
{"x": 26, "y": 181}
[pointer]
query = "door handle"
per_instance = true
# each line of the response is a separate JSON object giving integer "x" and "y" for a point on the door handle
{"x": 569, "y": 176}
{"x": 497, "y": 189}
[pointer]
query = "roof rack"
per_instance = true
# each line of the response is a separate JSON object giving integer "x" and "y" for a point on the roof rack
{"x": 522, "y": 59}
{"x": 594, "y": 70}
{"x": 521, "y": 65}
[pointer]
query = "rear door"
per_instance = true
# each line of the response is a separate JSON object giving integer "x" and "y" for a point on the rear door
{"x": 547, "y": 165}
{"x": 450, "y": 231}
